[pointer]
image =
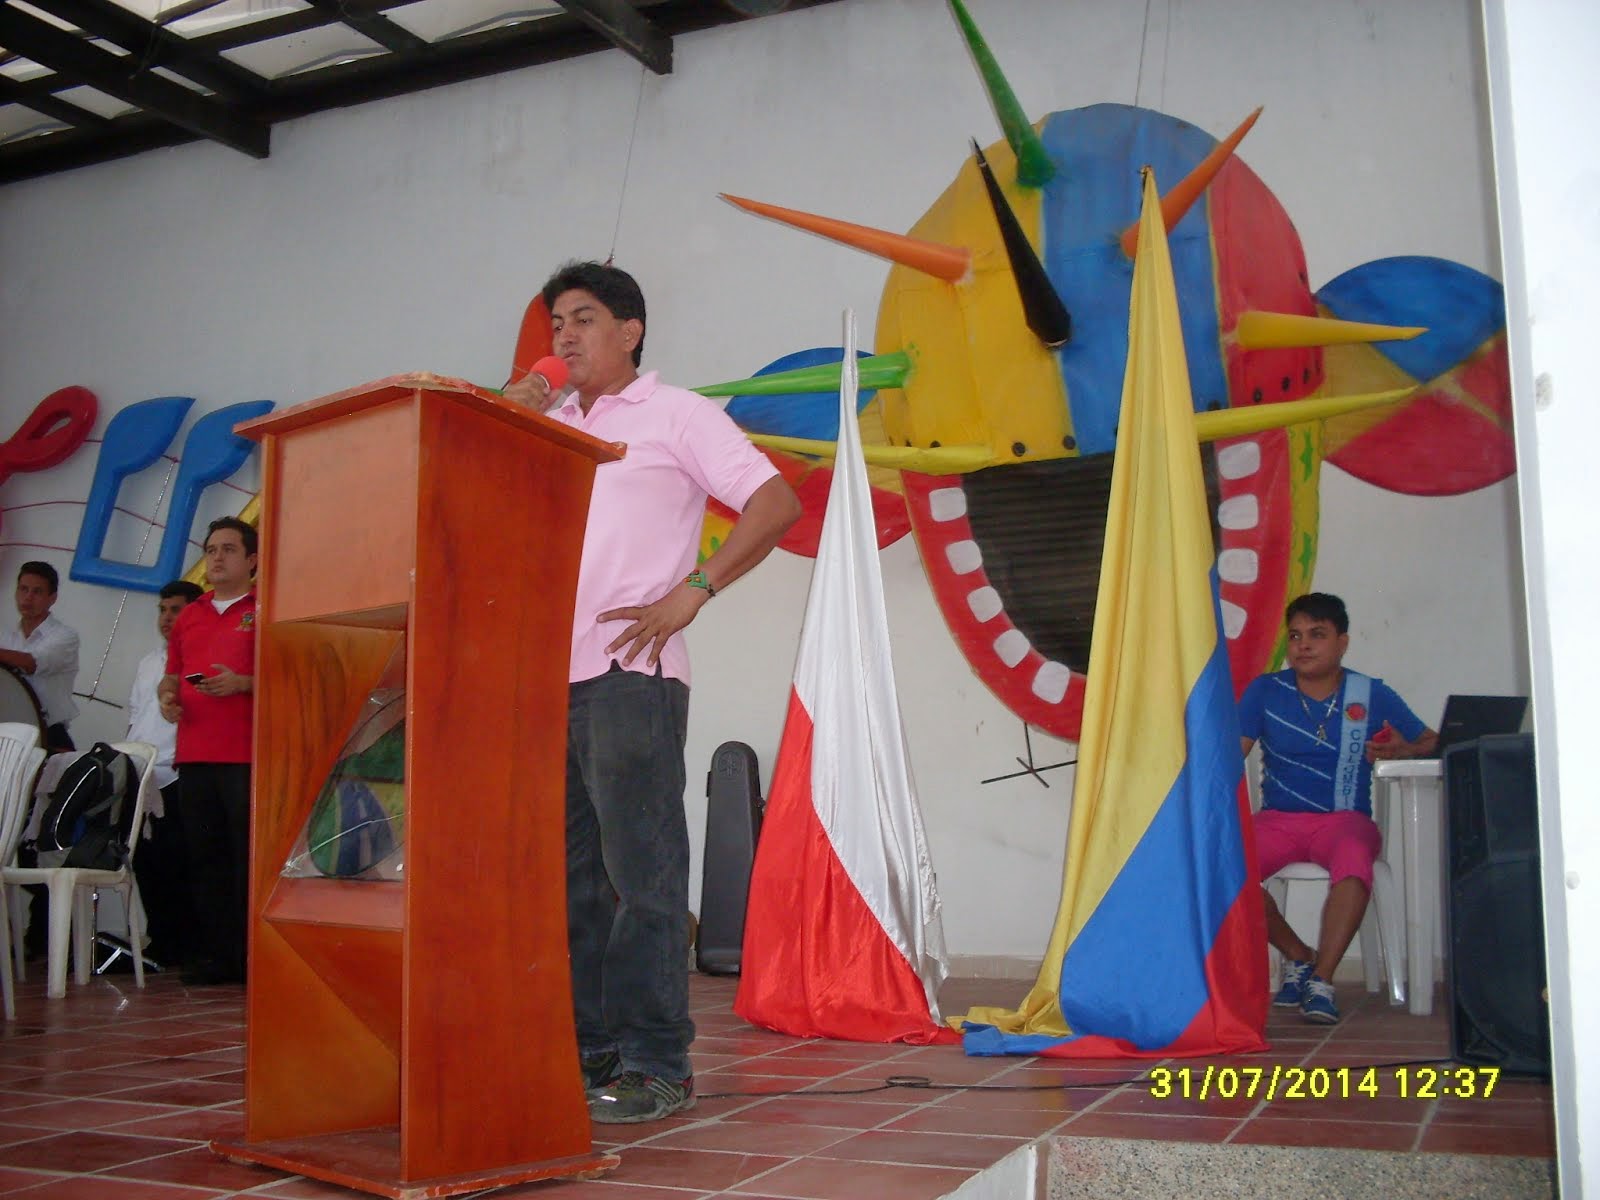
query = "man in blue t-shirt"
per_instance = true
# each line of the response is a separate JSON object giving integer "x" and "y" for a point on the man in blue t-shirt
{"x": 1321, "y": 727}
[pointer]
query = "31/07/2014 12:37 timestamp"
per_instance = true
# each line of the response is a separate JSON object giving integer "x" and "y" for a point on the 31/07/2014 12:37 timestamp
{"x": 1322, "y": 1083}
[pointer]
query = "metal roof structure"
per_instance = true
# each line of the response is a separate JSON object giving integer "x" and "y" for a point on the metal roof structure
{"x": 86, "y": 81}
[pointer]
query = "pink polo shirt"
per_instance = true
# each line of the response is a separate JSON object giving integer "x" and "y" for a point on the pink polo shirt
{"x": 648, "y": 507}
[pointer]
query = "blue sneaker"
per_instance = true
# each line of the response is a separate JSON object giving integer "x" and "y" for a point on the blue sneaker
{"x": 1318, "y": 1004}
{"x": 1292, "y": 992}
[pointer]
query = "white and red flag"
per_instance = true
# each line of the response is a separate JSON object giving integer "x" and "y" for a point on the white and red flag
{"x": 843, "y": 937}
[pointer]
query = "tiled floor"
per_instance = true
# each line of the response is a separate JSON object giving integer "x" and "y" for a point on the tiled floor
{"x": 113, "y": 1092}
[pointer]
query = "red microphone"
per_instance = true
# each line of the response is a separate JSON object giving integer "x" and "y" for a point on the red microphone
{"x": 553, "y": 371}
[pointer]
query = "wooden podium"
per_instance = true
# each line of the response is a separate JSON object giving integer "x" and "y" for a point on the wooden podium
{"x": 414, "y": 1038}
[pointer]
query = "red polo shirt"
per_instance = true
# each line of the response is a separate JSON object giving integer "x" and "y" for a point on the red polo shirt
{"x": 213, "y": 729}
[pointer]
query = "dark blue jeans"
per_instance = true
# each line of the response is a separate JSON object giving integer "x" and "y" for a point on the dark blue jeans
{"x": 628, "y": 870}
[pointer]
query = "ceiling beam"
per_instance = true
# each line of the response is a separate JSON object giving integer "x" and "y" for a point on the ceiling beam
{"x": 125, "y": 79}
{"x": 374, "y": 25}
{"x": 623, "y": 26}
{"x": 121, "y": 137}
{"x": 154, "y": 46}
{"x": 50, "y": 106}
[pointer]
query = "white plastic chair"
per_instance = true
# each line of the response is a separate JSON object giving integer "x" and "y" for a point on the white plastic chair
{"x": 72, "y": 892}
{"x": 20, "y": 757}
{"x": 1382, "y": 936}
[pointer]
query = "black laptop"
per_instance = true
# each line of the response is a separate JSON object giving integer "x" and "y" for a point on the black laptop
{"x": 1469, "y": 717}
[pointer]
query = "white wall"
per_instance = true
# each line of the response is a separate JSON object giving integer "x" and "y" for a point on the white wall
{"x": 410, "y": 234}
{"x": 1540, "y": 69}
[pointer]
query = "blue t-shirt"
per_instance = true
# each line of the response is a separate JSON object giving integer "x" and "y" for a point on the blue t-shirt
{"x": 1301, "y": 772}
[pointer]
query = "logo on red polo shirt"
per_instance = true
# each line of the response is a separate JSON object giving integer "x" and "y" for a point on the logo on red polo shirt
{"x": 1356, "y": 712}
{"x": 247, "y": 622}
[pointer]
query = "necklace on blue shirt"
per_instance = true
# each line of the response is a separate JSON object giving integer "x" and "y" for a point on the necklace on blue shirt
{"x": 1322, "y": 724}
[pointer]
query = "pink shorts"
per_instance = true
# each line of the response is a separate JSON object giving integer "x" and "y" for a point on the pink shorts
{"x": 1342, "y": 843}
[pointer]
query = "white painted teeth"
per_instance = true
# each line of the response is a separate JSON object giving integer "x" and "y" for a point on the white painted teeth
{"x": 1011, "y": 647}
{"x": 1239, "y": 512}
{"x": 947, "y": 504}
{"x": 1238, "y": 460}
{"x": 1232, "y": 619}
{"x": 1050, "y": 684}
{"x": 963, "y": 557}
{"x": 1238, "y": 566}
{"x": 984, "y": 603}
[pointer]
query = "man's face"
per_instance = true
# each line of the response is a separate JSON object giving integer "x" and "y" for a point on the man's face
{"x": 34, "y": 597}
{"x": 227, "y": 564}
{"x": 1316, "y": 648}
{"x": 597, "y": 347}
{"x": 167, "y": 613}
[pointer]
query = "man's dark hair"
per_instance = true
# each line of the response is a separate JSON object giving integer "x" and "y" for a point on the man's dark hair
{"x": 612, "y": 286}
{"x": 246, "y": 531}
{"x": 181, "y": 587}
{"x": 1319, "y": 606}
{"x": 43, "y": 570}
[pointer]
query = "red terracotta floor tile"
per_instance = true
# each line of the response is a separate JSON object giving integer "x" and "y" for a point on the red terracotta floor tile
{"x": 589, "y": 1189}
{"x": 823, "y": 1180}
{"x": 801, "y": 1070}
{"x": 315, "y": 1189}
{"x": 1000, "y": 1122}
{"x": 749, "y": 1137}
{"x": 10, "y": 1135}
{"x": 197, "y": 1167}
{"x": 190, "y": 1124}
{"x": 83, "y": 1114}
{"x": 192, "y": 1093}
{"x": 78, "y": 1083}
{"x": 819, "y": 1110}
{"x": 972, "y": 1151}
{"x": 1024, "y": 1099}
{"x": 1385, "y": 1108}
{"x": 1533, "y": 1142}
{"x": 1143, "y": 1101}
{"x": 709, "y": 1170}
{"x": 94, "y": 1187}
{"x": 17, "y": 1181}
{"x": 738, "y": 1083}
{"x": 1512, "y": 1114}
{"x": 1149, "y": 1128}
{"x": 848, "y": 1051}
{"x": 150, "y": 1070}
{"x": 1271, "y": 1131}
{"x": 87, "y": 1151}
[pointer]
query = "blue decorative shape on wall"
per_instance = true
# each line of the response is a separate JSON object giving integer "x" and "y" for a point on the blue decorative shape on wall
{"x": 797, "y": 414}
{"x": 136, "y": 438}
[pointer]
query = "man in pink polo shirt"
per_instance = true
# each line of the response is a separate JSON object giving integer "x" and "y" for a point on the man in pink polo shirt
{"x": 628, "y": 704}
{"x": 209, "y": 691}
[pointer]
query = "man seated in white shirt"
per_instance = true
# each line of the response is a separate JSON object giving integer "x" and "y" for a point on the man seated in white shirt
{"x": 45, "y": 649}
{"x": 162, "y": 864}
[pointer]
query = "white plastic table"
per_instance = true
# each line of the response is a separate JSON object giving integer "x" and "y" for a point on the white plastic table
{"x": 1418, "y": 784}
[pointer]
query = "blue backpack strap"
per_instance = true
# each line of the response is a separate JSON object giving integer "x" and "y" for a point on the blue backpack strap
{"x": 1352, "y": 742}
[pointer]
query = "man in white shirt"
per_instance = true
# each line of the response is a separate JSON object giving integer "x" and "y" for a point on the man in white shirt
{"x": 162, "y": 864}
{"x": 45, "y": 649}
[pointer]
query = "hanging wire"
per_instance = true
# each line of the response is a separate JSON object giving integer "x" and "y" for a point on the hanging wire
{"x": 1166, "y": 46}
{"x": 627, "y": 165}
{"x": 1144, "y": 38}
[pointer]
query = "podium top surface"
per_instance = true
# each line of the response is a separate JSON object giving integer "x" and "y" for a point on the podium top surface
{"x": 400, "y": 387}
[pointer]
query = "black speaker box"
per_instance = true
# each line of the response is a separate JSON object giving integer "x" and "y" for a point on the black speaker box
{"x": 1498, "y": 1012}
{"x": 733, "y": 823}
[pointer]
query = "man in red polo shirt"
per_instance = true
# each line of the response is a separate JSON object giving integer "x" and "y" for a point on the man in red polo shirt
{"x": 208, "y": 691}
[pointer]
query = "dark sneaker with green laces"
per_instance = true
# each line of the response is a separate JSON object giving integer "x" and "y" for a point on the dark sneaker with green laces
{"x": 634, "y": 1096}
{"x": 600, "y": 1069}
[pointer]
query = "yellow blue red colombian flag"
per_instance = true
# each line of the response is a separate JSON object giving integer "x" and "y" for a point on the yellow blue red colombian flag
{"x": 1159, "y": 945}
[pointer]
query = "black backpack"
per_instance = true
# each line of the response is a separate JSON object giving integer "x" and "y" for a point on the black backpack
{"x": 90, "y": 813}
